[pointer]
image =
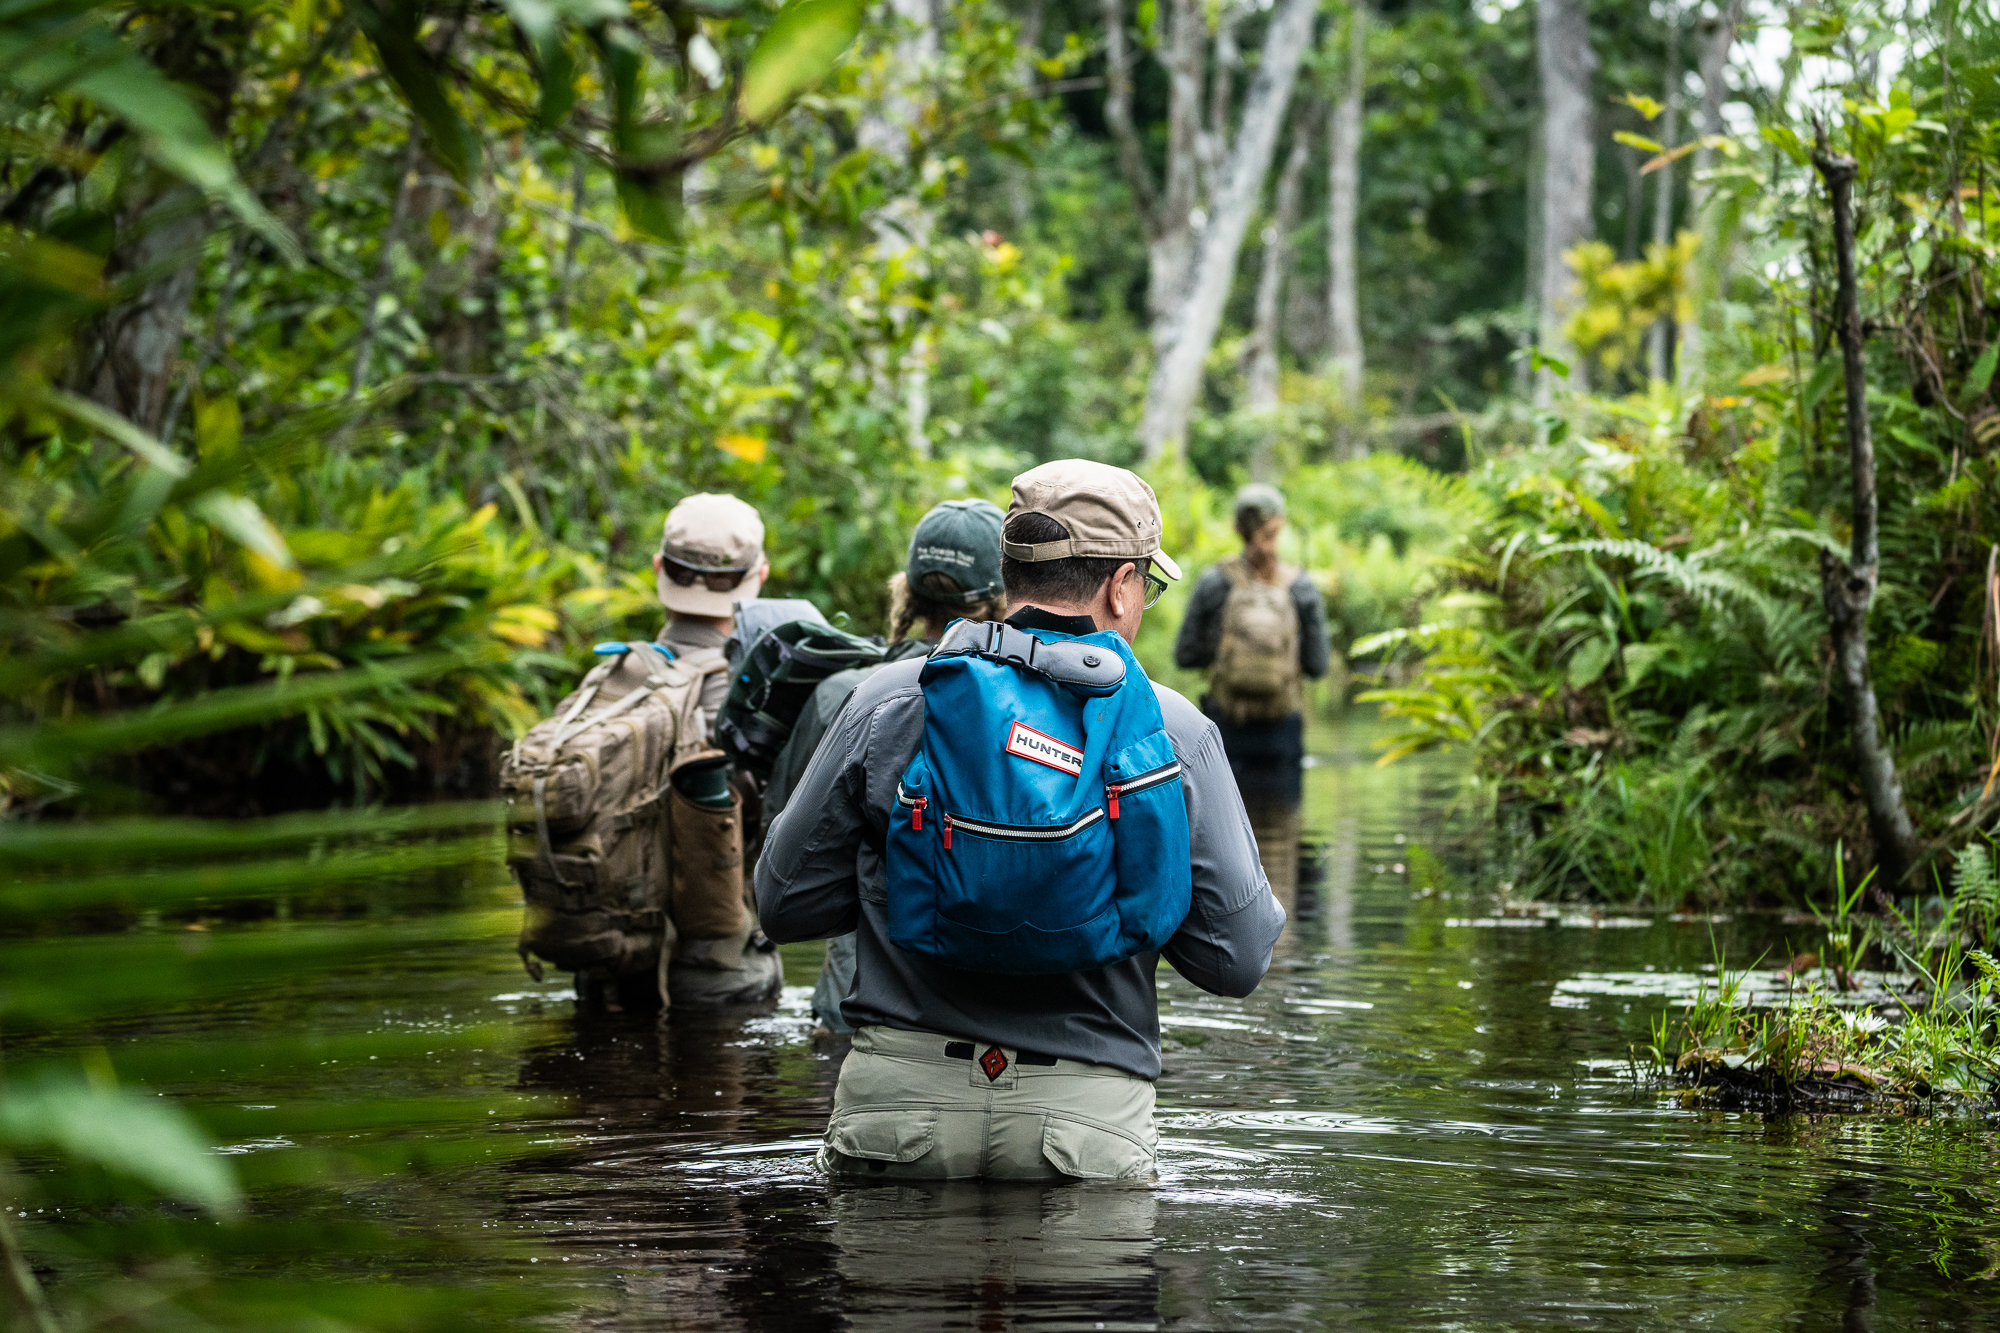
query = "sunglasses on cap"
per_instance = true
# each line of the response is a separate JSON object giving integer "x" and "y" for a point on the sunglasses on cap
{"x": 1156, "y": 586}
{"x": 684, "y": 575}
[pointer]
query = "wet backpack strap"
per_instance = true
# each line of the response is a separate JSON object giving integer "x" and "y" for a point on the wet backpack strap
{"x": 1082, "y": 668}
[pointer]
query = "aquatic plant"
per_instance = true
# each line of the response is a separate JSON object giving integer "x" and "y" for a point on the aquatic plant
{"x": 1818, "y": 1047}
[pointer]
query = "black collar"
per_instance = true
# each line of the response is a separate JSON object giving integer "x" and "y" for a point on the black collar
{"x": 1033, "y": 617}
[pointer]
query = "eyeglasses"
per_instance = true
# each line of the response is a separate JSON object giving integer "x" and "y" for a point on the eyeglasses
{"x": 1156, "y": 587}
{"x": 715, "y": 580}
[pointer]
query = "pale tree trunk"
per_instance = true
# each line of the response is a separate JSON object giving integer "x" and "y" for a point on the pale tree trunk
{"x": 1021, "y": 176}
{"x": 1718, "y": 35}
{"x": 1260, "y": 353}
{"x": 1569, "y": 159}
{"x": 1212, "y": 140}
{"x": 1183, "y": 340}
{"x": 1657, "y": 338}
{"x": 1848, "y": 586}
{"x": 1170, "y": 211}
{"x": 1343, "y": 199}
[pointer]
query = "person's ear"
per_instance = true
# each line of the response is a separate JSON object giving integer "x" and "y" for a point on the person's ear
{"x": 1118, "y": 593}
{"x": 659, "y": 563}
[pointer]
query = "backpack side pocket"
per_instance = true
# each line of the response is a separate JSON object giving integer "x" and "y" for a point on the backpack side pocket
{"x": 707, "y": 898}
{"x": 1151, "y": 844}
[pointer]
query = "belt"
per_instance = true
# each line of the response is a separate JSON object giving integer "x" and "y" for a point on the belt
{"x": 963, "y": 1050}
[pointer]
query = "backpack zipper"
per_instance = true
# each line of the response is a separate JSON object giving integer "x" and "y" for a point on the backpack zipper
{"x": 915, "y": 805}
{"x": 1164, "y": 773}
{"x": 1012, "y": 833}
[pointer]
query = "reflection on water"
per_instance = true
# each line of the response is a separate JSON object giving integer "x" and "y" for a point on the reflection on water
{"x": 1412, "y": 1124}
{"x": 965, "y": 1256}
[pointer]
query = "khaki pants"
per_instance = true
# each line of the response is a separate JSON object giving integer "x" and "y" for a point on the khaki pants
{"x": 905, "y": 1109}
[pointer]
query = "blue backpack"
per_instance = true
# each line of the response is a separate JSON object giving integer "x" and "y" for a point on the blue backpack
{"x": 1041, "y": 827}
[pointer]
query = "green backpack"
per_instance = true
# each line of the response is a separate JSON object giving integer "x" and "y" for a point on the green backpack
{"x": 773, "y": 679}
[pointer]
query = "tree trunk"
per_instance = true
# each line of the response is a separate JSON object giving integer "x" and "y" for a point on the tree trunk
{"x": 1182, "y": 341}
{"x": 1260, "y": 361}
{"x": 1168, "y": 211}
{"x": 1343, "y": 197}
{"x": 139, "y": 348}
{"x": 1020, "y": 181}
{"x": 1718, "y": 35}
{"x": 1569, "y": 159}
{"x": 1848, "y": 586}
{"x": 162, "y": 225}
{"x": 1659, "y": 337}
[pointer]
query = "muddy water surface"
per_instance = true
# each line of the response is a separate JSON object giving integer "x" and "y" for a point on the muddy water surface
{"x": 1413, "y": 1124}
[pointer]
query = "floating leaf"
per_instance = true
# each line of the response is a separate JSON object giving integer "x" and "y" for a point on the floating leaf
{"x": 795, "y": 52}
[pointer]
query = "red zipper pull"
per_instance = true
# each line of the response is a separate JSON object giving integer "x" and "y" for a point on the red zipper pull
{"x": 947, "y": 832}
{"x": 1112, "y": 792}
{"x": 917, "y": 814}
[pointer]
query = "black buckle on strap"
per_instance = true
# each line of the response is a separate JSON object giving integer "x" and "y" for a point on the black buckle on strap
{"x": 963, "y": 1050}
{"x": 1085, "y": 669}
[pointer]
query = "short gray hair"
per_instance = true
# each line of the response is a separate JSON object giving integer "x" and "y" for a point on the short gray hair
{"x": 1256, "y": 505}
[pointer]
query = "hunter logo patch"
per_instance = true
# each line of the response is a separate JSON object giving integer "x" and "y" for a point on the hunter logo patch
{"x": 1025, "y": 742}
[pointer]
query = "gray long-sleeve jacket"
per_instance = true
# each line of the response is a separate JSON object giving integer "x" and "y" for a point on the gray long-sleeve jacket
{"x": 822, "y": 873}
{"x": 1201, "y": 630}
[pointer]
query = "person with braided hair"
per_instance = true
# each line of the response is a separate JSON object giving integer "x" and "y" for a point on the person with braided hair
{"x": 952, "y": 573}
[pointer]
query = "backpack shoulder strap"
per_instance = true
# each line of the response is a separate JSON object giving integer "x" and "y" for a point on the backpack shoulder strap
{"x": 703, "y": 662}
{"x": 690, "y": 737}
{"x": 1083, "y": 668}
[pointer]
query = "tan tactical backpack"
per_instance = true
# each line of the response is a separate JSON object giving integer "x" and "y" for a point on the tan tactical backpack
{"x": 615, "y": 864}
{"x": 1256, "y": 676}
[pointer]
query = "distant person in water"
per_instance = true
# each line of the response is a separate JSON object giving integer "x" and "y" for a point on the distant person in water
{"x": 1259, "y": 628}
{"x": 711, "y": 557}
{"x": 952, "y": 573}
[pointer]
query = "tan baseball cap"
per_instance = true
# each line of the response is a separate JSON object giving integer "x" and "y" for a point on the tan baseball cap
{"x": 1108, "y": 511}
{"x": 717, "y": 535}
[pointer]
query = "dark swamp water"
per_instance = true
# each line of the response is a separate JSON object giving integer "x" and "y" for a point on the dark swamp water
{"x": 1416, "y": 1122}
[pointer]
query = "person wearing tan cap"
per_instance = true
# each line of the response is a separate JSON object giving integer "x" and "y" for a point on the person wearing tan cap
{"x": 711, "y": 557}
{"x": 958, "y": 1073}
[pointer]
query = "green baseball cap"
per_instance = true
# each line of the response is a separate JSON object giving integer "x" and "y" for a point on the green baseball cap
{"x": 955, "y": 553}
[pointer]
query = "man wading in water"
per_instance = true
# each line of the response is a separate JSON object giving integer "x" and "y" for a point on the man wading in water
{"x": 711, "y": 557}
{"x": 1261, "y": 628}
{"x": 1091, "y": 787}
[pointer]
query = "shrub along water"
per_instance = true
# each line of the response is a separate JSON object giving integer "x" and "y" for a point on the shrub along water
{"x": 1637, "y": 642}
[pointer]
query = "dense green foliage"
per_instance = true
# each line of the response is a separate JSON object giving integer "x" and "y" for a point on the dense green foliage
{"x": 1635, "y": 641}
